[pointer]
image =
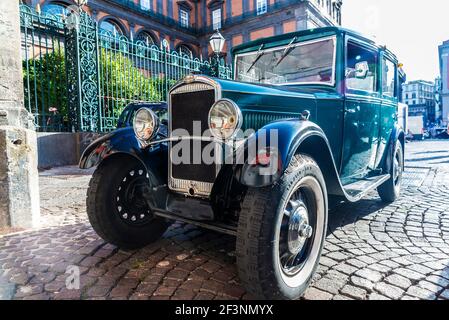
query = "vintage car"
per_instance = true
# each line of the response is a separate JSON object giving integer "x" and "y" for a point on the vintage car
{"x": 320, "y": 107}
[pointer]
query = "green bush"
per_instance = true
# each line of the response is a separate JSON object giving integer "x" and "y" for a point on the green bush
{"x": 124, "y": 78}
{"x": 122, "y": 82}
{"x": 45, "y": 84}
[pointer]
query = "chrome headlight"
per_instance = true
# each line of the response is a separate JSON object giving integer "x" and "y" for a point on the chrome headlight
{"x": 145, "y": 124}
{"x": 225, "y": 119}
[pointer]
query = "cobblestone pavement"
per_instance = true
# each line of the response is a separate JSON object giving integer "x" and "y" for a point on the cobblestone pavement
{"x": 373, "y": 251}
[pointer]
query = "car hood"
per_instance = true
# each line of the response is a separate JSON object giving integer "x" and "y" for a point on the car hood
{"x": 262, "y": 104}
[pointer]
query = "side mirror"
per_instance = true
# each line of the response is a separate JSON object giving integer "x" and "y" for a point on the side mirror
{"x": 361, "y": 70}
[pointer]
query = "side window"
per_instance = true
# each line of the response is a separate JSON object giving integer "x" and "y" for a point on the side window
{"x": 388, "y": 78}
{"x": 361, "y": 68}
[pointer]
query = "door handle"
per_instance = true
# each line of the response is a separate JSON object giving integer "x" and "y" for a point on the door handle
{"x": 353, "y": 110}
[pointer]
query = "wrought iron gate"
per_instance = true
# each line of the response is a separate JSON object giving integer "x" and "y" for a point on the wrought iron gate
{"x": 79, "y": 78}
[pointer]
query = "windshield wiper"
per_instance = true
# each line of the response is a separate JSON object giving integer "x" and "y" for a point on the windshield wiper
{"x": 287, "y": 50}
{"x": 260, "y": 53}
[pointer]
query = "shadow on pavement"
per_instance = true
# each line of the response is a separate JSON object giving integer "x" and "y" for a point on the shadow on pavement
{"x": 348, "y": 213}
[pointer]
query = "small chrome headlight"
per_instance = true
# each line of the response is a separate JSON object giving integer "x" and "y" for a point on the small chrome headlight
{"x": 145, "y": 124}
{"x": 225, "y": 119}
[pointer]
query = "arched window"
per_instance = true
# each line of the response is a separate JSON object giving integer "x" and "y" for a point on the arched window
{"x": 56, "y": 9}
{"x": 112, "y": 26}
{"x": 146, "y": 37}
{"x": 185, "y": 50}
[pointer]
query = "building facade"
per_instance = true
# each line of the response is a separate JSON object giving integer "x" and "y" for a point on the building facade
{"x": 188, "y": 24}
{"x": 420, "y": 97}
{"x": 444, "y": 75}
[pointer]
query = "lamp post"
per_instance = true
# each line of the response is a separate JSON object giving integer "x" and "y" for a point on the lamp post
{"x": 81, "y": 3}
{"x": 73, "y": 17}
{"x": 217, "y": 42}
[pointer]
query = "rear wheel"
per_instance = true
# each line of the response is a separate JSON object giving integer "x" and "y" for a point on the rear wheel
{"x": 281, "y": 232}
{"x": 390, "y": 190}
{"x": 116, "y": 207}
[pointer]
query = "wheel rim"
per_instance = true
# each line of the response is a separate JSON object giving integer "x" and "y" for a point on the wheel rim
{"x": 131, "y": 206}
{"x": 300, "y": 232}
{"x": 294, "y": 234}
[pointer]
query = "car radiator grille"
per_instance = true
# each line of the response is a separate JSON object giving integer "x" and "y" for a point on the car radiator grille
{"x": 188, "y": 104}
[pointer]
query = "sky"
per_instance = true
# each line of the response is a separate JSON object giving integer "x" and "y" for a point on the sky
{"x": 412, "y": 29}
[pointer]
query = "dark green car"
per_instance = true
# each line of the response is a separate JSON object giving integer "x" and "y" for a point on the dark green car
{"x": 310, "y": 118}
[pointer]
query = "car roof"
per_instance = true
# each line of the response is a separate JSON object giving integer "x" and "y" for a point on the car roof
{"x": 309, "y": 33}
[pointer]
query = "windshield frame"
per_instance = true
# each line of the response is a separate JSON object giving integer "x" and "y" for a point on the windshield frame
{"x": 297, "y": 44}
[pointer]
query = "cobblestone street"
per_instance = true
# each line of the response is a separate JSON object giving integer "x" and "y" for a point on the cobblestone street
{"x": 373, "y": 251}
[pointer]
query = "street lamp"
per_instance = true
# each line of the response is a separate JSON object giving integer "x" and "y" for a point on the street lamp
{"x": 217, "y": 42}
{"x": 81, "y": 3}
{"x": 74, "y": 11}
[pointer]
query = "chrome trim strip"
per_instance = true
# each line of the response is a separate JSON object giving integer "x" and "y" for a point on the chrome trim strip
{"x": 350, "y": 96}
{"x": 202, "y": 189}
{"x": 180, "y": 138}
{"x": 283, "y": 93}
{"x": 192, "y": 87}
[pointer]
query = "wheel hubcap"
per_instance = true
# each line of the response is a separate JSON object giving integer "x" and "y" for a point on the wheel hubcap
{"x": 130, "y": 203}
{"x": 299, "y": 229}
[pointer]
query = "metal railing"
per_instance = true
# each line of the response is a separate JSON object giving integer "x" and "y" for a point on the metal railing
{"x": 133, "y": 71}
{"x": 44, "y": 73}
{"x": 81, "y": 79}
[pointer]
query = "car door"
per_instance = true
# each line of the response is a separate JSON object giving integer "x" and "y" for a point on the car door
{"x": 362, "y": 111}
{"x": 389, "y": 107}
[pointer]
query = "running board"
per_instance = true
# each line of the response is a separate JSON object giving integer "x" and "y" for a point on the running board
{"x": 222, "y": 228}
{"x": 361, "y": 188}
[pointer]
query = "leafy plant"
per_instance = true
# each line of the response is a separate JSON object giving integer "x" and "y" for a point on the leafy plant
{"x": 123, "y": 81}
{"x": 45, "y": 84}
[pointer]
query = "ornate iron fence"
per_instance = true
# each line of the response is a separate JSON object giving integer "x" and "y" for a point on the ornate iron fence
{"x": 44, "y": 68}
{"x": 79, "y": 78}
{"x": 134, "y": 71}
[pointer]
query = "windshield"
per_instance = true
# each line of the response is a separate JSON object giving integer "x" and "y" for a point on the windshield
{"x": 311, "y": 62}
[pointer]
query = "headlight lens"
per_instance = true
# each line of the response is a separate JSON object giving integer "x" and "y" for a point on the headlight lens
{"x": 225, "y": 119}
{"x": 145, "y": 124}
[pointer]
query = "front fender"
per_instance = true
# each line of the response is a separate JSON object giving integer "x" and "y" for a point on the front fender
{"x": 124, "y": 141}
{"x": 293, "y": 136}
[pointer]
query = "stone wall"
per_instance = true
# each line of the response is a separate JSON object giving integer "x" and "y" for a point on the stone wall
{"x": 19, "y": 195}
{"x": 19, "y": 188}
{"x": 62, "y": 149}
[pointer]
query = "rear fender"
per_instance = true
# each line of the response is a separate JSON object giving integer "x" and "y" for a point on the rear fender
{"x": 398, "y": 135}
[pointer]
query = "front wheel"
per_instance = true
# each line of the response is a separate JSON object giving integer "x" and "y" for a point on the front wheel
{"x": 390, "y": 190}
{"x": 116, "y": 207}
{"x": 281, "y": 232}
